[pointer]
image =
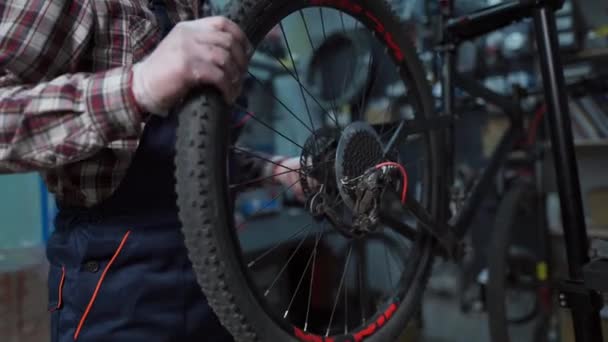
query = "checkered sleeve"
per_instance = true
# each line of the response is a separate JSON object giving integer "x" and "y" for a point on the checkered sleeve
{"x": 61, "y": 119}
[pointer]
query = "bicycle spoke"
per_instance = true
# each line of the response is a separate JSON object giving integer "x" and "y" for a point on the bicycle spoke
{"x": 383, "y": 118}
{"x": 345, "y": 310}
{"x": 271, "y": 93}
{"x": 333, "y": 311}
{"x": 274, "y": 281}
{"x": 399, "y": 132}
{"x": 394, "y": 137}
{"x": 295, "y": 69}
{"x": 419, "y": 126}
{"x": 257, "y": 156}
{"x": 389, "y": 109}
{"x": 263, "y": 179}
{"x": 333, "y": 100}
{"x": 312, "y": 277}
{"x": 322, "y": 23}
{"x": 388, "y": 265}
{"x": 259, "y": 180}
{"x": 263, "y": 123}
{"x": 360, "y": 273}
{"x": 349, "y": 60}
{"x": 293, "y": 297}
{"x": 286, "y": 68}
{"x": 369, "y": 91}
{"x": 276, "y": 246}
{"x": 312, "y": 45}
{"x": 282, "y": 193}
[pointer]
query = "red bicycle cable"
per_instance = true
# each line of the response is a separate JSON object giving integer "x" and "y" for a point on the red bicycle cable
{"x": 403, "y": 176}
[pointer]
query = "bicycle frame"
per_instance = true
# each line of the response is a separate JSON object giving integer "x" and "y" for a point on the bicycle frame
{"x": 455, "y": 30}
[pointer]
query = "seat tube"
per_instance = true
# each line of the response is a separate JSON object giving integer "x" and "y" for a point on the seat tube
{"x": 585, "y": 318}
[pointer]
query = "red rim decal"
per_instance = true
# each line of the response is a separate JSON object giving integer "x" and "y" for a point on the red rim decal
{"x": 353, "y": 8}
{"x": 359, "y": 336}
{"x": 306, "y": 337}
{"x": 372, "y": 328}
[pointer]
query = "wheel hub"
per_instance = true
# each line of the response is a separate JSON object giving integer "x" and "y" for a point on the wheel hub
{"x": 350, "y": 183}
{"x": 359, "y": 150}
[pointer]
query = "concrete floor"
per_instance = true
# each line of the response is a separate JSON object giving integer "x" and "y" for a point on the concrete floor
{"x": 443, "y": 321}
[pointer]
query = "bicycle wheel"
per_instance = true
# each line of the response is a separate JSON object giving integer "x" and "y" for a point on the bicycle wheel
{"x": 518, "y": 286}
{"x": 295, "y": 275}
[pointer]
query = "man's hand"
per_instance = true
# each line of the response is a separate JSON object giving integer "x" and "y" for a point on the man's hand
{"x": 211, "y": 51}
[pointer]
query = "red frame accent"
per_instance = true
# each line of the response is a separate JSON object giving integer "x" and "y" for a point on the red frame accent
{"x": 538, "y": 118}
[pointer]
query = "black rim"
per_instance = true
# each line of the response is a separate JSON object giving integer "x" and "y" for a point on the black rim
{"x": 300, "y": 312}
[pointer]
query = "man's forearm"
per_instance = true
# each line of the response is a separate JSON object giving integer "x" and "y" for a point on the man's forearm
{"x": 65, "y": 120}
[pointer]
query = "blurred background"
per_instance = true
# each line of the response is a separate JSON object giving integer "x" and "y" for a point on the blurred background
{"x": 453, "y": 309}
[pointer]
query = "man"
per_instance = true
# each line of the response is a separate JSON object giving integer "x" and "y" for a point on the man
{"x": 86, "y": 87}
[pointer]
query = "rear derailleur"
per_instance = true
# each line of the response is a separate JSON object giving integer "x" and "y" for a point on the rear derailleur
{"x": 359, "y": 214}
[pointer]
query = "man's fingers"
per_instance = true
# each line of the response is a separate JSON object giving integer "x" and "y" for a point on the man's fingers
{"x": 226, "y": 25}
{"x": 209, "y": 73}
{"x": 209, "y": 51}
{"x": 241, "y": 57}
{"x": 223, "y": 59}
{"x": 220, "y": 58}
{"x": 226, "y": 41}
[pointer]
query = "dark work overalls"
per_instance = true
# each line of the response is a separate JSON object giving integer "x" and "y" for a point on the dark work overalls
{"x": 119, "y": 272}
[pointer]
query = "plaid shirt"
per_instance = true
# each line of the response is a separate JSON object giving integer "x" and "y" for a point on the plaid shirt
{"x": 66, "y": 107}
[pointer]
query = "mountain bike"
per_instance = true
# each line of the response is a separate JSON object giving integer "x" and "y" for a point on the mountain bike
{"x": 352, "y": 261}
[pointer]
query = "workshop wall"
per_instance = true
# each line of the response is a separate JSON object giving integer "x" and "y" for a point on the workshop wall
{"x": 23, "y": 314}
{"x": 20, "y": 212}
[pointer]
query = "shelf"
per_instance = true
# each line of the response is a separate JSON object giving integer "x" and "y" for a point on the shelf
{"x": 593, "y": 231}
{"x": 586, "y": 55}
{"x": 591, "y": 143}
{"x": 582, "y": 143}
{"x": 598, "y": 232}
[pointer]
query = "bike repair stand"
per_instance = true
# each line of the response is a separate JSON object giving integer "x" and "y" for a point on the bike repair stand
{"x": 575, "y": 294}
